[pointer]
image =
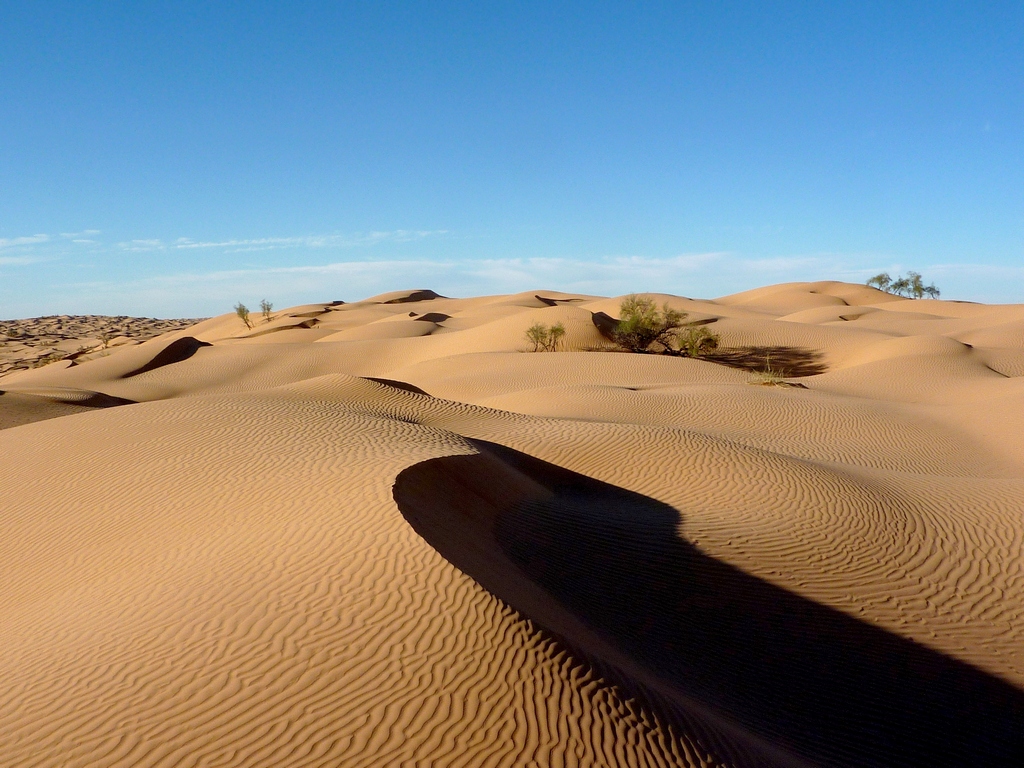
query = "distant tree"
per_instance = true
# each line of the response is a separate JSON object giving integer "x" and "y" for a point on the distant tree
{"x": 900, "y": 286}
{"x": 266, "y": 308}
{"x": 642, "y": 324}
{"x": 243, "y": 314}
{"x": 910, "y": 286}
{"x": 915, "y": 286}
{"x": 881, "y": 281}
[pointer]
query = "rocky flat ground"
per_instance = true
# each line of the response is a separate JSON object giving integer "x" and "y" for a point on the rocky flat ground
{"x": 36, "y": 341}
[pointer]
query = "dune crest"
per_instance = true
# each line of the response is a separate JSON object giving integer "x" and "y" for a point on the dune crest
{"x": 382, "y": 533}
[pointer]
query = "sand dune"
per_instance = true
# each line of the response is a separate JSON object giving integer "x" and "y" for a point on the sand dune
{"x": 382, "y": 533}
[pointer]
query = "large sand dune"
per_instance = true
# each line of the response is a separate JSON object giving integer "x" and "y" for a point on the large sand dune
{"x": 381, "y": 533}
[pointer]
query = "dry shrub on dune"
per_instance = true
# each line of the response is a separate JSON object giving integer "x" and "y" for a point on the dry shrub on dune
{"x": 643, "y": 327}
{"x": 545, "y": 338}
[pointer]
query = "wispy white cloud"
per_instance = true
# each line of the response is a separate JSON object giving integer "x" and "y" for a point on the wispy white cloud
{"x": 142, "y": 245}
{"x": 311, "y": 241}
{"x": 340, "y": 266}
{"x": 83, "y": 233}
{"x": 244, "y": 245}
{"x": 16, "y": 242}
{"x": 17, "y": 261}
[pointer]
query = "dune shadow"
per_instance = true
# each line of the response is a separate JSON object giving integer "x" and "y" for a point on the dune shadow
{"x": 809, "y": 679}
{"x": 791, "y": 362}
{"x": 395, "y": 384}
{"x": 177, "y": 351}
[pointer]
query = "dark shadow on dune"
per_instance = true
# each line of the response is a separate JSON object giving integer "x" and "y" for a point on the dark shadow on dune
{"x": 605, "y": 324}
{"x": 809, "y": 679}
{"x": 103, "y": 400}
{"x": 17, "y": 408}
{"x": 434, "y": 317}
{"x": 175, "y": 352}
{"x": 554, "y": 302}
{"x": 304, "y": 325}
{"x": 791, "y": 362}
{"x": 395, "y": 384}
{"x": 415, "y": 296}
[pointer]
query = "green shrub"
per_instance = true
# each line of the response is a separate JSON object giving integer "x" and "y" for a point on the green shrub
{"x": 243, "y": 314}
{"x": 696, "y": 341}
{"x": 266, "y": 308}
{"x": 544, "y": 337}
{"x": 642, "y": 324}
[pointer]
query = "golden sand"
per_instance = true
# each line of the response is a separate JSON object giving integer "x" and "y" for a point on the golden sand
{"x": 381, "y": 533}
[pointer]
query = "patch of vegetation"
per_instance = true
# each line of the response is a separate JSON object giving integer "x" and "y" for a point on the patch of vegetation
{"x": 544, "y": 337}
{"x": 769, "y": 376}
{"x": 243, "y": 314}
{"x": 696, "y": 341}
{"x": 265, "y": 309}
{"x": 911, "y": 286}
{"x": 642, "y": 325}
{"x": 644, "y": 328}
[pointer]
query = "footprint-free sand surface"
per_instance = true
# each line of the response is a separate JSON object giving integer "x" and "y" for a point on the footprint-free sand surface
{"x": 382, "y": 533}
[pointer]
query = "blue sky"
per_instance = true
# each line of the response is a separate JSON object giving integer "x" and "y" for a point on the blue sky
{"x": 171, "y": 159}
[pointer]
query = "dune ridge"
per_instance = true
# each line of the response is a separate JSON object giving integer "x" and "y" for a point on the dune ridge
{"x": 272, "y": 546}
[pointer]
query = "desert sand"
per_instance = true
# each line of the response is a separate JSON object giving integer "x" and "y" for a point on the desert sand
{"x": 383, "y": 533}
{"x": 38, "y": 341}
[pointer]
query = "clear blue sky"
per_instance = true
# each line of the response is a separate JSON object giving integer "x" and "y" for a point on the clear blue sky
{"x": 173, "y": 158}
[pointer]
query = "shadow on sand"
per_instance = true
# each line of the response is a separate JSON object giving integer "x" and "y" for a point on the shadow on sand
{"x": 789, "y": 362}
{"x": 811, "y": 680}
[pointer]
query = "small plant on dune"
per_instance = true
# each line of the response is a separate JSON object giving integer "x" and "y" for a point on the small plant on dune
{"x": 544, "y": 337}
{"x": 642, "y": 324}
{"x": 910, "y": 286}
{"x": 643, "y": 327}
{"x": 243, "y": 314}
{"x": 696, "y": 341}
{"x": 265, "y": 309}
{"x": 771, "y": 377}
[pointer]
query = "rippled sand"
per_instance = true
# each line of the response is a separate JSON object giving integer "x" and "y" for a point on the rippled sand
{"x": 382, "y": 533}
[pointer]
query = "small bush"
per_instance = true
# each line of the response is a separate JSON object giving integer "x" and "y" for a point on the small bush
{"x": 696, "y": 341}
{"x": 243, "y": 314}
{"x": 546, "y": 338}
{"x": 772, "y": 377}
{"x": 266, "y": 308}
{"x": 642, "y": 324}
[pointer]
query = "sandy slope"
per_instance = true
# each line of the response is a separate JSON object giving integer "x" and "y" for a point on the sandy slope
{"x": 381, "y": 534}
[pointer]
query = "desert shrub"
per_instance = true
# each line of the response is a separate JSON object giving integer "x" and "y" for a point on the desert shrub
{"x": 769, "y": 376}
{"x": 265, "y": 309}
{"x": 696, "y": 341}
{"x": 544, "y": 337}
{"x": 642, "y": 324}
{"x": 243, "y": 314}
{"x": 910, "y": 286}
